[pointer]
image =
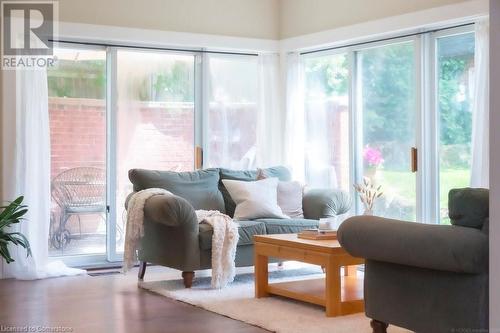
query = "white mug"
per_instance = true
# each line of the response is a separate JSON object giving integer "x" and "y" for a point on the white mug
{"x": 330, "y": 223}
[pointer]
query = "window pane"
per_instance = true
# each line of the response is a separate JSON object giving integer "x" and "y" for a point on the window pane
{"x": 232, "y": 115}
{"x": 77, "y": 113}
{"x": 386, "y": 96}
{"x": 327, "y": 121}
{"x": 455, "y": 55}
{"x": 155, "y": 121}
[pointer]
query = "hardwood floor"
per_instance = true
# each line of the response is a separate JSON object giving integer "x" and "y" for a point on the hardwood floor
{"x": 110, "y": 303}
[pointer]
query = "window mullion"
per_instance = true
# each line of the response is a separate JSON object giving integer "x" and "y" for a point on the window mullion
{"x": 111, "y": 146}
{"x": 432, "y": 131}
{"x": 356, "y": 129}
{"x": 199, "y": 105}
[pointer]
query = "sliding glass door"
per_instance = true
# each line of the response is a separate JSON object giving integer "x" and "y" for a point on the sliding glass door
{"x": 387, "y": 124}
{"x": 111, "y": 111}
{"x": 77, "y": 117}
{"x": 155, "y": 120}
{"x": 115, "y": 109}
{"x": 396, "y": 112}
{"x": 455, "y": 80}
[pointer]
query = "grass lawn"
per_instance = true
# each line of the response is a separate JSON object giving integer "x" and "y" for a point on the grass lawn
{"x": 404, "y": 184}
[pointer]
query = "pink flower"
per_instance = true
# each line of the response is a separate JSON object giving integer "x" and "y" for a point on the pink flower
{"x": 373, "y": 156}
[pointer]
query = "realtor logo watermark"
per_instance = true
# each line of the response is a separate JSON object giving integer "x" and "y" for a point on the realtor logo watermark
{"x": 27, "y": 30}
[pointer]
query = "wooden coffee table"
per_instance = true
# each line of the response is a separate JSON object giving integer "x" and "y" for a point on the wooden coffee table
{"x": 340, "y": 294}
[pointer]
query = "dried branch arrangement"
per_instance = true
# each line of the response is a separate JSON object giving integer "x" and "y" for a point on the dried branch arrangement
{"x": 368, "y": 193}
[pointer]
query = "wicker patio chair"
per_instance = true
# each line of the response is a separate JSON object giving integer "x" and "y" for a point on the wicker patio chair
{"x": 77, "y": 191}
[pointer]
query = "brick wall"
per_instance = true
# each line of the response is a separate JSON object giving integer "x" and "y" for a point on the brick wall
{"x": 77, "y": 133}
{"x": 159, "y": 136}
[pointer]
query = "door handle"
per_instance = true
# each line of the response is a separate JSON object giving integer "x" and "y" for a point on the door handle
{"x": 198, "y": 157}
{"x": 414, "y": 159}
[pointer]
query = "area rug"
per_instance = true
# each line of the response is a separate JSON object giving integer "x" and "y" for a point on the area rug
{"x": 275, "y": 314}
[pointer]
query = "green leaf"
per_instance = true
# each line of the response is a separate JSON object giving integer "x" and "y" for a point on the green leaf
{"x": 12, "y": 214}
{"x": 7, "y": 223}
{"x": 4, "y": 252}
{"x": 19, "y": 214}
{"x": 12, "y": 208}
{"x": 8, "y": 211}
{"x": 19, "y": 239}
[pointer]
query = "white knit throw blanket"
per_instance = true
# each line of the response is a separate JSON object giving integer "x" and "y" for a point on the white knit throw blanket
{"x": 135, "y": 224}
{"x": 224, "y": 242}
{"x": 224, "y": 239}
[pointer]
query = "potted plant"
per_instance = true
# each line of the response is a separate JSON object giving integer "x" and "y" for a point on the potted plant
{"x": 10, "y": 215}
{"x": 373, "y": 160}
{"x": 368, "y": 193}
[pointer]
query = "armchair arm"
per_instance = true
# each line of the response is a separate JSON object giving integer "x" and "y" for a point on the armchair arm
{"x": 172, "y": 211}
{"x": 438, "y": 247}
{"x": 321, "y": 203}
{"x": 171, "y": 233}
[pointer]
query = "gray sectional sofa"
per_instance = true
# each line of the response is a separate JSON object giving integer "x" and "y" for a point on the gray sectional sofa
{"x": 173, "y": 237}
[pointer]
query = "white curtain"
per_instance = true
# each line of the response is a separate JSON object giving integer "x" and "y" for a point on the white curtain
{"x": 319, "y": 146}
{"x": 231, "y": 111}
{"x": 295, "y": 117}
{"x": 32, "y": 175}
{"x": 480, "y": 108}
{"x": 270, "y": 127}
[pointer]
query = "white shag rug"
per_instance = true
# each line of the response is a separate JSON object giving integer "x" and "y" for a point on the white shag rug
{"x": 273, "y": 313}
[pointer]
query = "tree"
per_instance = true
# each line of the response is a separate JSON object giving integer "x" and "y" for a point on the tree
{"x": 388, "y": 93}
{"x": 388, "y": 89}
{"x": 173, "y": 85}
{"x": 454, "y": 107}
{"x": 327, "y": 76}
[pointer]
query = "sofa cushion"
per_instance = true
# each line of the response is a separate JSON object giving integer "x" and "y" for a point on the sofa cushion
{"x": 290, "y": 195}
{"x": 468, "y": 207}
{"x": 255, "y": 199}
{"x": 246, "y": 231}
{"x": 290, "y": 226}
{"x": 324, "y": 203}
{"x": 279, "y": 172}
{"x": 199, "y": 188}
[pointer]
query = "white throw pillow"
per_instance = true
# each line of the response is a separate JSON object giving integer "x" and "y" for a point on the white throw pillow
{"x": 290, "y": 199}
{"x": 289, "y": 196}
{"x": 255, "y": 199}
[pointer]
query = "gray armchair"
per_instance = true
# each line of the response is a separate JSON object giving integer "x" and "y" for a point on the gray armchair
{"x": 426, "y": 278}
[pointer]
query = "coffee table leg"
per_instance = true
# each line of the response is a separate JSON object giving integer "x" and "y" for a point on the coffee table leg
{"x": 261, "y": 276}
{"x": 332, "y": 289}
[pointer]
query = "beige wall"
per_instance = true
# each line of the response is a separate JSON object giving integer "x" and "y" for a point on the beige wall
{"x": 241, "y": 18}
{"x": 269, "y": 19}
{"x": 299, "y": 17}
